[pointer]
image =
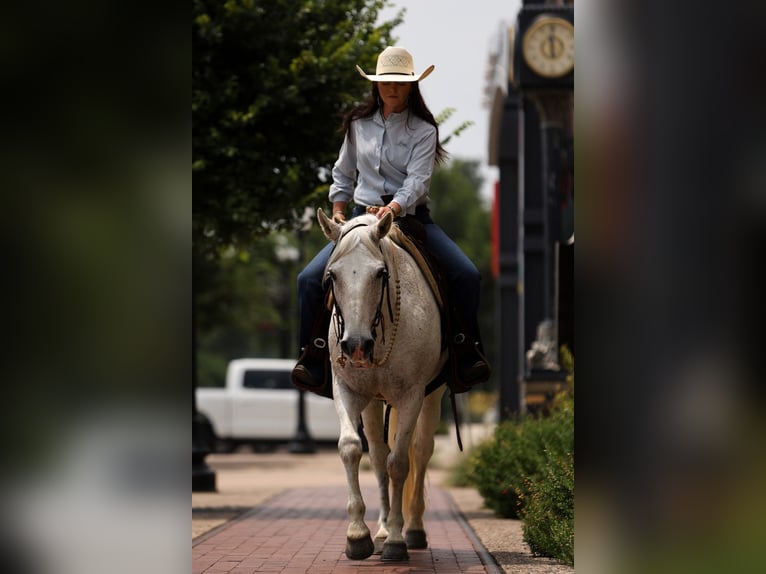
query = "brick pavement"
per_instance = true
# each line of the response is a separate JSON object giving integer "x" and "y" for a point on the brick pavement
{"x": 303, "y": 531}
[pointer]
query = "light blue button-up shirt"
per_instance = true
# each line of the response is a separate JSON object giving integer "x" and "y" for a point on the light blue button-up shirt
{"x": 393, "y": 157}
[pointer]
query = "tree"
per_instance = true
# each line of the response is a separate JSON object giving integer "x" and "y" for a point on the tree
{"x": 270, "y": 79}
{"x": 458, "y": 208}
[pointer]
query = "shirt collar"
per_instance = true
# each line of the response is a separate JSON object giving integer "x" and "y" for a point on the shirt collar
{"x": 393, "y": 118}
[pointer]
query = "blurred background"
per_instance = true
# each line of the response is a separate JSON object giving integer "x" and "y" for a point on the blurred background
{"x": 669, "y": 118}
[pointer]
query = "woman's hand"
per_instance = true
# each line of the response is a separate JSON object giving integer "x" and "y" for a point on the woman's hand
{"x": 339, "y": 212}
{"x": 393, "y": 207}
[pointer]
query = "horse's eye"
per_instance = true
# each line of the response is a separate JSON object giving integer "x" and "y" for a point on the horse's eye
{"x": 383, "y": 272}
{"x": 328, "y": 278}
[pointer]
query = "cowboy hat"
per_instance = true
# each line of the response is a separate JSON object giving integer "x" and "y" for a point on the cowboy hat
{"x": 395, "y": 65}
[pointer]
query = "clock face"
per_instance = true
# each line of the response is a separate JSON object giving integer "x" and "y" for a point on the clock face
{"x": 548, "y": 47}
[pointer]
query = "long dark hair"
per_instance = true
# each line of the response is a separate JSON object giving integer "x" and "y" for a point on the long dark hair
{"x": 415, "y": 105}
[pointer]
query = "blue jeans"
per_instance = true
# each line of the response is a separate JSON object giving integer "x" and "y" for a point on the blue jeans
{"x": 458, "y": 270}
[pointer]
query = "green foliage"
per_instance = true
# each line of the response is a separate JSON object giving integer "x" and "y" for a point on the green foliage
{"x": 526, "y": 471}
{"x": 443, "y": 116}
{"x": 460, "y": 210}
{"x": 246, "y": 301}
{"x": 457, "y": 206}
{"x": 548, "y": 509}
{"x": 503, "y": 466}
{"x": 211, "y": 369}
{"x": 270, "y": 80}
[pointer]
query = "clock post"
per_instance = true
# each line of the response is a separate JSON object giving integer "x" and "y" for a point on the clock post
{"x": 552, "y": 113}
{"x": 543, "y": 60}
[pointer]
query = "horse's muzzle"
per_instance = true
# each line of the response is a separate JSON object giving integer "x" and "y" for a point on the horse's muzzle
{"x": 358, "y": 350}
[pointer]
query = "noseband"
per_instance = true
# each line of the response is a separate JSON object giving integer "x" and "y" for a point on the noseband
{"x": 385, "y": 294}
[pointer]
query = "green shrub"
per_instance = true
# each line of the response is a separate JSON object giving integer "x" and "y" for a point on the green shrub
{"x": 504, "y": 467}
{"x": 500, "y": 467}
{"x": 547, "y": 501}
{"x": 548, "y": 510}
{"x": 526, "y": 471}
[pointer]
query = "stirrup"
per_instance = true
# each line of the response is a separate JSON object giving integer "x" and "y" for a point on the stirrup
{"x": 472, "y": 366}
{"x": 312, "y": 372}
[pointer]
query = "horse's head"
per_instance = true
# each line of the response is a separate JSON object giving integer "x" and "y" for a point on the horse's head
{"x": 358, "y": 276}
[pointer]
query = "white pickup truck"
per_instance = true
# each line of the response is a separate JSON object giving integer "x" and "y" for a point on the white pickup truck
{"x": 259, "y": 407}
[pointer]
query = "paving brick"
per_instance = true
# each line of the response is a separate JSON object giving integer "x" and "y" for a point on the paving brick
{"x": 303, "y": 530}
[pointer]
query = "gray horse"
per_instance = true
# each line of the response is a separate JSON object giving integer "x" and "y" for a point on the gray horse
{"x": 385, "y": 347}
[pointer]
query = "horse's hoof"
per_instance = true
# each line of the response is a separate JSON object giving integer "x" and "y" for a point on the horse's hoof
{"x": 359, "y": 549}
{"x": 395, "y": 551}
{"x": 416, "y": 539}
{"x": 379, "y": 543}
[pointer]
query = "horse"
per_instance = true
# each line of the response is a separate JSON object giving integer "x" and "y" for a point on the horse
{"x": 385, "y": 348}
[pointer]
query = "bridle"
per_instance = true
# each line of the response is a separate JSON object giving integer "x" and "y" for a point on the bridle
{"x": 385, "y": 295}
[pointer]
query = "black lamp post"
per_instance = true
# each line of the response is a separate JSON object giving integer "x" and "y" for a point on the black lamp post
{"x": 302, "y": 443}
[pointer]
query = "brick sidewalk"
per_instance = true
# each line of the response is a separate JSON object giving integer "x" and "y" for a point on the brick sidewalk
{"x": 303, "y": 531}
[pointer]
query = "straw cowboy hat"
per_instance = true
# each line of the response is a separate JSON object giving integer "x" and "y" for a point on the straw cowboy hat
{"x": 395, "y": 65}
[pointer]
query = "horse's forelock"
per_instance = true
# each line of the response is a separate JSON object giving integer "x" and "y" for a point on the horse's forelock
{"x": 348, "y": 241}
{"x": 345, "y": 244}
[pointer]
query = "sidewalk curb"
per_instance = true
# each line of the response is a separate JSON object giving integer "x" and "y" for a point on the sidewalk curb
{"x": 489, "y": 562}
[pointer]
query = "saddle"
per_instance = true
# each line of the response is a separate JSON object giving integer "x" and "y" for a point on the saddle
{"x": 408, "y": 233}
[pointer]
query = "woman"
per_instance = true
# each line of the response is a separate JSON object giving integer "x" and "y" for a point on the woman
{"x": 385, "y": 164}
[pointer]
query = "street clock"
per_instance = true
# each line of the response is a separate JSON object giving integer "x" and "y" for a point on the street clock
{"x": 543, "y": 48}
{"x": 548, "y": 46}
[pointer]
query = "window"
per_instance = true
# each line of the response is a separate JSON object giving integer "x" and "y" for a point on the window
{"x": 267, "y": 380}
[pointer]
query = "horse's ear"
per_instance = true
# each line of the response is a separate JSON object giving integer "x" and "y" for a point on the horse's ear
{"x": 384, "y": 225}
{"x": 330, "y": 229}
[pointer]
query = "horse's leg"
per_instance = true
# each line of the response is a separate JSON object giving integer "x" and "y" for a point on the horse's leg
{"x": 349, "y": 407}
{"x": 395, "y": 548}
{"x": 373, "y": 430}
{"x": 423, "y": 450}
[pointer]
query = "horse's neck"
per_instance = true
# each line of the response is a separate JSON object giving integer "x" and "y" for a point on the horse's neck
{"x": 413, "y": 310}
{"x": 404, "y": 272}
{"x": 400, "y": 263}
{"x": 419, "y": 261}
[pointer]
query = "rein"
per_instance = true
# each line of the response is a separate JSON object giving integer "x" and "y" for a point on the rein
{"x": 393, "y": 315}
{"x": 385, "y": 294}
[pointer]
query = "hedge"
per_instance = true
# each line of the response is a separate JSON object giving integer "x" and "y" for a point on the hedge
{"x": 526, "y": 471}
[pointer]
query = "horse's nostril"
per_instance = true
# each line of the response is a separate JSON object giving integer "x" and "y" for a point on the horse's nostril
{"x": 353, "y": 345}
